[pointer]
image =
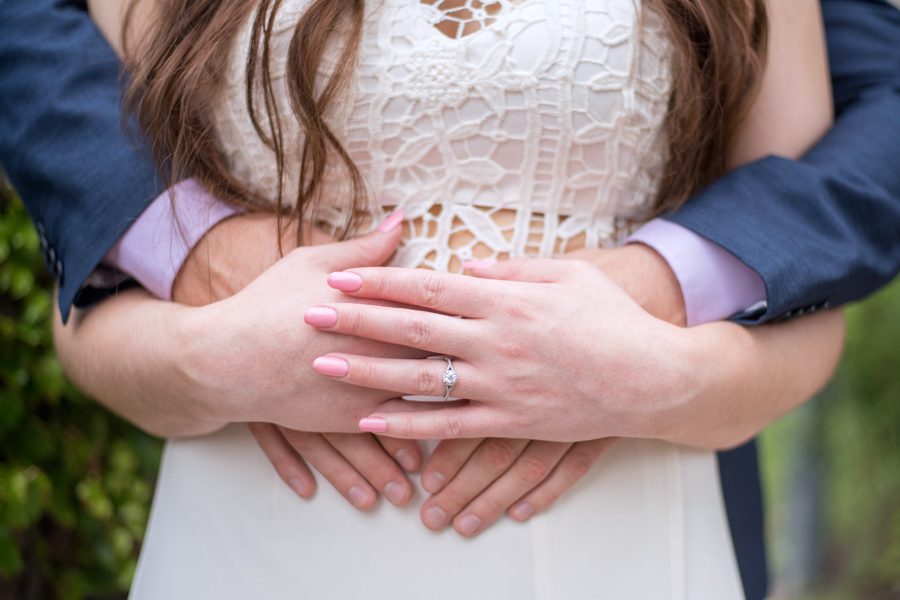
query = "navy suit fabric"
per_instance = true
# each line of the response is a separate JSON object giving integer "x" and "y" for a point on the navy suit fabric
{"x": 820, "y": 231}
{"x": 824, "y": 230}
{"x": 62, "y": 144}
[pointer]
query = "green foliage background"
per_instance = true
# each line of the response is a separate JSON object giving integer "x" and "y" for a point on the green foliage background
{"x": 76, "y": 482}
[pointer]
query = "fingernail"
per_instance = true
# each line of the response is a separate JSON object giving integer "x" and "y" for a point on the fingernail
{"x": 406, "y": 459}
{"x": 345, "y": 282}
{"x": 469, "y": 524}
{"x": 521, "y": 511}
{"x": 479, "y": 264}
{"x": 434, "y": 517}
{"x": 373, "y": 425}
{"x": 392, "y": 221}
{"x": 395, "y": 492}
{"x": 321, "y": 316}
{"x": 331, "y": 366}
{"x": 299, "y": 486}
{"x": 358, "y": 496}
{"x": 433, "y": 482}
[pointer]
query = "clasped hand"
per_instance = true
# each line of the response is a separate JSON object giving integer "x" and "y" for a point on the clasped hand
{"x": 473, "y": 480}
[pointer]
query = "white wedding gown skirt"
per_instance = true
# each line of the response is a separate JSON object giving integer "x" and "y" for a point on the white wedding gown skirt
{"x": 647, "y": 521}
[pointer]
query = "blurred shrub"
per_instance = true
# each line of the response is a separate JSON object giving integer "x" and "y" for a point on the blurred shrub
{"x": 850, "y": 438}
{"x": 75, "y": 482}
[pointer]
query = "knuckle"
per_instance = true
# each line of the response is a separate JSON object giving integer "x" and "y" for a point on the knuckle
{"x": 431, "y": 291}
{"x": 351, "y": 321}
{"x": 511, "y": 349}
{"x": 426, "y": 382}
{"x": 532, "y": 469}
{"x": 364, "y": 371}
{"x": 452, "y": 500}
{"x": 498, "y": 453}
{"x": 578, "y": 464}
{"x": 514, "y": 308}
{"x": 299, "y": 440}
{"x": 406, "y": 428}
{"x": 489, "y": 507}
{"x": 417, "y": 330}
{"x": 451, "y": 427}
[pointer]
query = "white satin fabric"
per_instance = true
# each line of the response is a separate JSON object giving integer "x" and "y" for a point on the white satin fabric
{"x": 536, "y": 129}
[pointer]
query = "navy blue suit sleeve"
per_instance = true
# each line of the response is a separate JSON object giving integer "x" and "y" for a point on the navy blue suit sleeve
{"x": 823, "y": 230}
{"x": 82, "y": 178}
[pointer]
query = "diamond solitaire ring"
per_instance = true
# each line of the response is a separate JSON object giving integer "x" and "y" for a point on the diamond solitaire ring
{"x": 450, "y": 378}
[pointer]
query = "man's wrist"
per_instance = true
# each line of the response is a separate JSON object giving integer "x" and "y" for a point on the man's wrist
{"x": 644, "y": 275}
{"x": 197, "y": 331}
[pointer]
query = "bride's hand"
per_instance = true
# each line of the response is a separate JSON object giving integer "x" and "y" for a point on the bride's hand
{"x": 474, "y": 481}
{"x": 358, "y": 465}
{"x": 546, "y": 349}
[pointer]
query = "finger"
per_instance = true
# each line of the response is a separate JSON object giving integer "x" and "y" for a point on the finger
{"x": 407, "y": 453}
{"x": 446, "y": 461}
{"x": 443, "y": 292}
{"x": 535, "y": 270}
{"x": 490, "y": 460}
{"x": 371, "y": 249}
{"x": 288, "y": 464}
{"x": 532, "y": 466}
{"x": 572, "y": 467}
{"x": 471, "y": 421}
{"x": 417, "y": 377}
{"x": 333, "y": 466}
{"x": 372, "y": 462}
{"x": 437, "y": 333}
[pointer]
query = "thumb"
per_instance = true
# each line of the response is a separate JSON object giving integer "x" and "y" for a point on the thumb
{"x": 370, "y": 250}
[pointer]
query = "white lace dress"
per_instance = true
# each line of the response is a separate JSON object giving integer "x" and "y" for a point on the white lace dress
{"x": 503, "y": 129}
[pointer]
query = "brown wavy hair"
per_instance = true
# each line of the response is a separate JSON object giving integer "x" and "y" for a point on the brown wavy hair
{"x": 177, "y": 70}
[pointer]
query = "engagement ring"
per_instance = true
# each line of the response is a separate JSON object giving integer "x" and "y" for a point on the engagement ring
{"x": 450, "y": 378}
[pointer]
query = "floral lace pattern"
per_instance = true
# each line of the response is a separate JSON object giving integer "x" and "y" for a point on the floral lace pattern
{"x": 503, "y": 129}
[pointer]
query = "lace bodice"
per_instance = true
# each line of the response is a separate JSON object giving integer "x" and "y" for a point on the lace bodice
{"x": 503, "y": 128}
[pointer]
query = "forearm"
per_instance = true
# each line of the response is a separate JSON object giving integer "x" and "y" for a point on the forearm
{"x": 739, "y": 379}
{"x": 743, "y": 379}
{"x": 133, "y": 353}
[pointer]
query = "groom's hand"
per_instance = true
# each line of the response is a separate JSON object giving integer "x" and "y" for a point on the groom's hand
{"x": 359, "y": 466}
{"x": 474, "y": 481}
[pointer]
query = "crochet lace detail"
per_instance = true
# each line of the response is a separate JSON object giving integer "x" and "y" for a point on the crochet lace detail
{"x": 503, "y": 129}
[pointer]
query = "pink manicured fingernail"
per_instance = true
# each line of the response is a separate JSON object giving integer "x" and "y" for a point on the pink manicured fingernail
{"x": 358, "y": 496}
{"x": 433, "y": 482}
{"x": 392, "y": 221}
{"x": 373, "y": 425}
{"x": 434, "y": 517}
{"x": 331, "y": 365}
{"x": 479, "y": 264}
{"x": 321, "y": 316}
{"x": 406, "y": 459}
{"x": 469, "y": 524}
{"x": 521, "y": 511}
{"x": 345, "y": 282}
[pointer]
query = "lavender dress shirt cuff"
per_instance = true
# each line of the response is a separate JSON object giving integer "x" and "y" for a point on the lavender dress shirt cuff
{"x": 715, "y": 284}
{"x": 157, "y": 244}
